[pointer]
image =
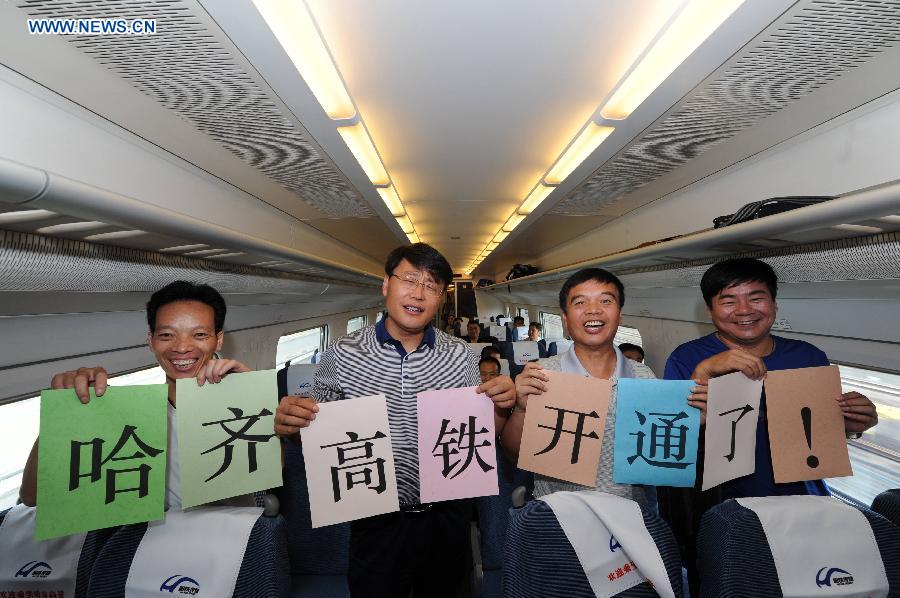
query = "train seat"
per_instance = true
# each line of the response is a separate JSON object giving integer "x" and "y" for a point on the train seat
{"x": 40, "y": 566}
{"x": 887, "y": 504}
{"x": 735, "y": 556}
{"x": 320, "y": 557}
{"x": 262, "y": 554}
{"x": 493, "y": 521}
{"x": 541, "y": 561}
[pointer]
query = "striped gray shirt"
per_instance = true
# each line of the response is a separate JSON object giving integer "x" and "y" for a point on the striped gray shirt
{"x": 359, "y": 365}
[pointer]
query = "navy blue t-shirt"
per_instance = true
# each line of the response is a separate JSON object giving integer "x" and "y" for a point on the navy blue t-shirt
{"x": 788, "y": 354}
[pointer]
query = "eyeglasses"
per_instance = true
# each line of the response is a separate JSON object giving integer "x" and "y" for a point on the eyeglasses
{"x": 411, "y": 280}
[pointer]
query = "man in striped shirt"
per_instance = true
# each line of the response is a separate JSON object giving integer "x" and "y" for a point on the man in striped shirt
{"x": 423, "y": 548}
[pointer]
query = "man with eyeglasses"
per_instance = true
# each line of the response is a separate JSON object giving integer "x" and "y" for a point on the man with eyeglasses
{"x": 424, "y": 548}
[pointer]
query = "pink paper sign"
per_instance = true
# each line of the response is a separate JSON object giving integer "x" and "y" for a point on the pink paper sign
{"x": 457, "y": 445}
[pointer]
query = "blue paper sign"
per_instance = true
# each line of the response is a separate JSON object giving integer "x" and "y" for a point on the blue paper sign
{"x": 656, "y": 433}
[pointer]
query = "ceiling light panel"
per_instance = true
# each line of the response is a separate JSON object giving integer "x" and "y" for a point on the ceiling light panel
{"x": 357, "y": 139}
{"x": 688, "y": 29}
{"x": 584, "y": 145}
{"x": 296, "y": 31}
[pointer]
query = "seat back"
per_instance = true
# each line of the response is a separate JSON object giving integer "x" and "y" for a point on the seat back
{"x": 319, "y": 558}
{"x": 93, "y": 544}
{"x": 263, "y": 571}
{"x": 493, "y": 521}
{"x": 735, "y": 559}
{"x": 540, "y": 560}
{"x": 887, "y": 504}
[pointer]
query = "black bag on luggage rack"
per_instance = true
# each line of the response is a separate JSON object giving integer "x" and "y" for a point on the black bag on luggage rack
{"x": 520, "y": 270}
{"x": 767, "y": 207}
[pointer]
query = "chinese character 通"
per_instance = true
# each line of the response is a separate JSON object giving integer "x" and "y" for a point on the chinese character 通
{"x": 667, "y": 441}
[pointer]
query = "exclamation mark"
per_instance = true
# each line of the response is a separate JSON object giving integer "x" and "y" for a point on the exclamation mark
{"x": 806, "y": 415}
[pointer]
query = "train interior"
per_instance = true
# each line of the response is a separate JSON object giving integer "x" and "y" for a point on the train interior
{"x": 491, "y": 131}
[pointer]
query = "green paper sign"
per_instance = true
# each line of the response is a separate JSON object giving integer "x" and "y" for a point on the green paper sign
{"x": 102, "y": 464}
{"x": 226, "y": 437}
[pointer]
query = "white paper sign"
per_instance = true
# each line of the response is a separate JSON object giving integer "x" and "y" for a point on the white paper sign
{"x": 300, "y": 378}
{"x": 349, "y": 461}
{"x": 521, "y": 333}
{"x": 732, "y": 413}
{"x": 525, "y": 351}
{"x": 498, "y": 332}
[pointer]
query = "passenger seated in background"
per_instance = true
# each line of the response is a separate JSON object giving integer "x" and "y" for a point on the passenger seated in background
{"x": 632, "y": 351}
{"x": 518, "y": 321}
{"x": 535, "y": 333}
{"x": 453, "y": 326}
{"x": 491, "y": 351}
{"x": 489, "y": 368}
{"x": 186, "y": 330}
{"x": 423, "y": 548}
{"x": 591, "y": 301}
{"x": 473, "y": 332}
{"x": 740, "y": 296}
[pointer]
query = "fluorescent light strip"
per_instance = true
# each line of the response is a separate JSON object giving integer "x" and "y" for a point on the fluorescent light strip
{"x": 406, "y": 224}
{"x": 534, "y": 199}
{"x": 500, "y": 236}
{"x": 295, "y": 29}
{"x": 25, "y": 216}
{"x": 690, "y": 28}
{"x": 70, "y": 227}
{"x": 577, "y": 152}
{"x": 357, "y": 139}
{"x": 392, "y": 200}
{"x": 513, "y": 222}
{"x": 413, "y": 237}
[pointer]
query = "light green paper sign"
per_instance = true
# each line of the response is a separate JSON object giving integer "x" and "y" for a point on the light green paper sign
{"x": 101, "y": 464}
{"x": 226, "y": 437}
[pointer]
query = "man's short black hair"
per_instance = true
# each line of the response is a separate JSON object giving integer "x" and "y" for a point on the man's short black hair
{"x": 537, "y": 326}
{"x": 598, "y": 274}
{"x": 730, "y": 273}
{"x": 489, "y": 351}
{"x": 473, "y": 322}
{"x": 489, "y": 360}
{"x": 423, "y": 257}
{"x": 632, "y": 347}
{"x": 181, "y": 290}
{"x": 519, "y": 319}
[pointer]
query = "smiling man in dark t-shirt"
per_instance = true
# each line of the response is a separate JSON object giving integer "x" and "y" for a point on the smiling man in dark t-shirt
{"x": 740, "y": 295}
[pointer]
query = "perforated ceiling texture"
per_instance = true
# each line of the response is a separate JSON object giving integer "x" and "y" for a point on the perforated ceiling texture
{"x": 816, "y": 44}
{"x": 192, "y": 70}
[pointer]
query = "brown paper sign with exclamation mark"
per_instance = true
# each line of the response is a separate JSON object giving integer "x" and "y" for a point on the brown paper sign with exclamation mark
{"x": 806, "y": 426}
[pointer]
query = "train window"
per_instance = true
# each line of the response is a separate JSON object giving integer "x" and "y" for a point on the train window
{"x": 626, "y": 334}
{"x": 354, "y": 324}
{"x": 876, "y": 456}
{"x": 19, "y": 425}
{"x": 552, "y": 325}
{"x": 300, "y": 347}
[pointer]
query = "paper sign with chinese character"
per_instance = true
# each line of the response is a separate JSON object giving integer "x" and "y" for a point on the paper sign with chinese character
{"x": 101, "y": 464}
{"x": 457, "y": 445}
{"x": 300, "y": 378}
{"x": 226, "y": 437}
{"x": 349, "y": 461}
{"x": 563, "y": 430}
{"x": 525, "y": 351}
{"x": 806, "y": 426}
{"x": 656, "y": 433}
{"x": 732, "y": 413}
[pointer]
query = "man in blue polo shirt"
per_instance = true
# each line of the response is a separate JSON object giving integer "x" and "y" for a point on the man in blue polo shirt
{"x": 740, "y": 295}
